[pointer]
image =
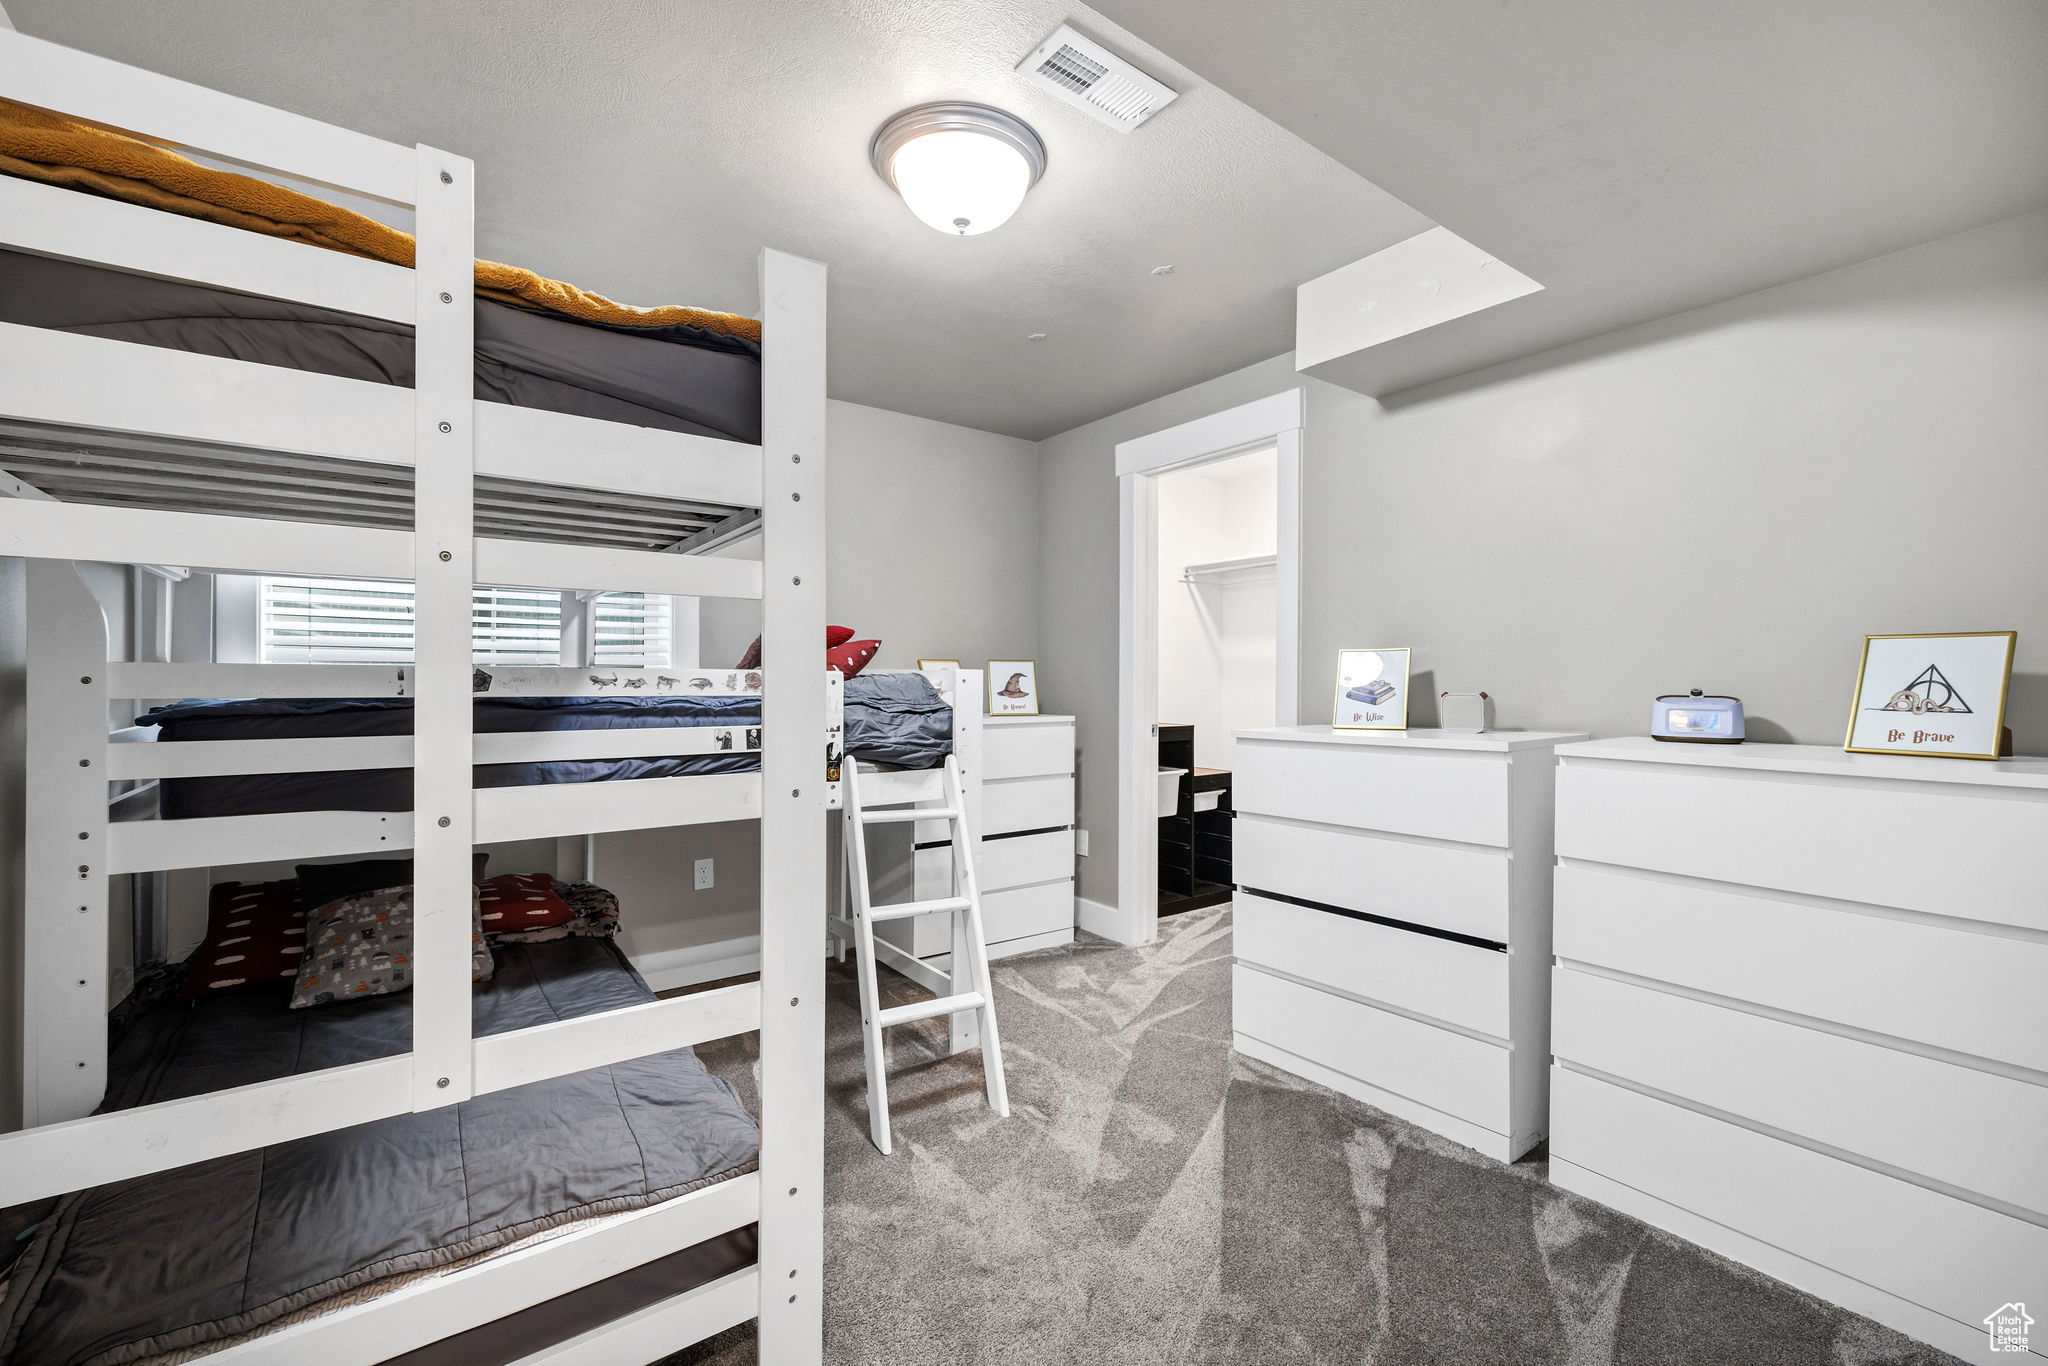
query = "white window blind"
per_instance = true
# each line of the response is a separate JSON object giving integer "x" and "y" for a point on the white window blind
{"x": 349, "y": 621}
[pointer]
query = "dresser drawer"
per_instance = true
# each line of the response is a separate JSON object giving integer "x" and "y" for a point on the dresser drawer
{"x": 1448, "y": 981}
{"x": 1974, "y": 993}
{"x": 1953, "y": 1257}
{"x": 1022, "y": 911}
{"x": 1974, "y": 1130}
{"x": 1440, "y": 794}
{"x": 1027, "y": 804}
{"x": 1019, "y": 860}
{"x": 1460, "y": 1076}
{"x": 1026, "y": 751}
{"x": 1462, "y": 890}
{"x": 1924, "y": 845}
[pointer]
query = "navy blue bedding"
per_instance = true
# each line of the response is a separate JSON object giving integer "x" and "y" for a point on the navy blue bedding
{"x": 897, "y": 719}
{"x": 390, "y": 789}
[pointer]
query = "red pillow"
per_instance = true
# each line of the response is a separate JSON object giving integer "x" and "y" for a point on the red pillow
{"x": 835, "y": 636}
{"x": 512, "y": 902}
{"x": 852, "y": 657}
{"x": 255, "y": 936}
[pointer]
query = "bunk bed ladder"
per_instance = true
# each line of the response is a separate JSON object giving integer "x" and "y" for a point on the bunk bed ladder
{"x": 970, "y": 989}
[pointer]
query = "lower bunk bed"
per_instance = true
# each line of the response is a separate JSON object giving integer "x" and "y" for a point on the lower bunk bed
{"x": 179, "y": 1265}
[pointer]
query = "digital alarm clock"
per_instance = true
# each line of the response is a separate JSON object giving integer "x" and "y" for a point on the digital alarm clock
{"x": 1698, "y": 718}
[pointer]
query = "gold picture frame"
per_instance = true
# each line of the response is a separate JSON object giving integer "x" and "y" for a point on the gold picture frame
{"x": 1919, "y": 698}
{"x": 1018, "y": 674}
{"x": 924, "y": 664}
{"x": 1366, "y": 696}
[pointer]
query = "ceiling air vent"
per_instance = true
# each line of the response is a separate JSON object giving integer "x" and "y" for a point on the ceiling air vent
{"x": 1088, "y": 76}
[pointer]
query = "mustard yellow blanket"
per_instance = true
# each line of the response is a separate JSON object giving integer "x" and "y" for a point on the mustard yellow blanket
{"x": 40, "y": 146}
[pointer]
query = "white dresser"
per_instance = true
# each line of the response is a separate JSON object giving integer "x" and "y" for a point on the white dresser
{"x": 1026, "y": 824}
{"x": 1393, "y": 921}
{"x": 1801, "y": 1017}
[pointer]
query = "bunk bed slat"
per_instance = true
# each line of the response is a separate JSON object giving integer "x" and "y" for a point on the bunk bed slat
{"x": 543, "y": 447}
{"x": 131, "y": 100}
{"x": 123, "y": 1144}
{"x": 59, "y": 379}
{"x": 455, "y": 1301}
{"x": 50, "y": 220}
{"x": 259, "y": 680}
{"x": 120, "y": 535}
{"x": 63, "y": 378}
{"x": 588, "y": 1041}
{"x": 547, "y": 810}
{"x": 653, "y": 1332}
{"x": 551, "y": 564}
{"x": 209, "y": 758}
{"x": 203, "y": 841}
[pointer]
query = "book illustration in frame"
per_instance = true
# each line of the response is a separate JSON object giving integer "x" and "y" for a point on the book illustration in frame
{"x": 1372, "y": 689}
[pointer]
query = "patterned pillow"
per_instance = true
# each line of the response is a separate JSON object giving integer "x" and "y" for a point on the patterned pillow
{"x": 852, "y": 657}
{"x": 595, "y": 915}
{"x": 255, "y": 937}
{"x": 835, "y": 636}
{"x": 519, "y": 903}
{"x": 361, "y": 946}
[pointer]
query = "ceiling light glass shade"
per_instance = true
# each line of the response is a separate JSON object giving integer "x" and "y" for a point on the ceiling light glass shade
{"x": 962, "y": 168}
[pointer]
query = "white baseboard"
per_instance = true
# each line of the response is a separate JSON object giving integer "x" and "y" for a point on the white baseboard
{"x": 1097, "y": 918}
{"x": 686, "y": 967}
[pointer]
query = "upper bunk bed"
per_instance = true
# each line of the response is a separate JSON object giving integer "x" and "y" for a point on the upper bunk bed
{"x": 124, "y": 449}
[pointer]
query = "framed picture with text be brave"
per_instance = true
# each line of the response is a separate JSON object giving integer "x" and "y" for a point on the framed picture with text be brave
{"x": 1932, "y": 694}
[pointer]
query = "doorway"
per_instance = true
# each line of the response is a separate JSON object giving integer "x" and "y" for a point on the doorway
{"x": 1258, "y": 440}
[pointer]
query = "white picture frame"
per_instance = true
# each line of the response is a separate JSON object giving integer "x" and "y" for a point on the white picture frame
{"x": 1013, "y": 687}
{"x": 1941, "y": 694}
{"x": 1372, "y": 689}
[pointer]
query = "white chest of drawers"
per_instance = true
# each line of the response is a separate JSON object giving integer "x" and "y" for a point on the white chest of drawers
{"x": 1801, "y": 1017}
{"x": 1026, "y": 838}
{"x": 1393, "y": 921}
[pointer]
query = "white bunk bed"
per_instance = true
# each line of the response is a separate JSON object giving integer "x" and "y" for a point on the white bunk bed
{"x": 422, "y": 461}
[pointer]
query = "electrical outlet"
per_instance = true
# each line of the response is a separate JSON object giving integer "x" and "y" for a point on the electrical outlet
{"x": 703, "y": 874}
{"x": 1081, "y": 843}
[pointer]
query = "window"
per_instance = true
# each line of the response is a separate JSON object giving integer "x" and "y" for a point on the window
{"x": 350, "y": 621}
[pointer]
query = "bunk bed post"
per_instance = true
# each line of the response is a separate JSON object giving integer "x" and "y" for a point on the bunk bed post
{"x": 444, "y": 513}
{"x": 793, "y": 713}
{"x": 65, "y": 937}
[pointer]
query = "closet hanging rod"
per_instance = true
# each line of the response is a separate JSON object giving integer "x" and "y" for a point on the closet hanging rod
{"x": 1245, "y": 570}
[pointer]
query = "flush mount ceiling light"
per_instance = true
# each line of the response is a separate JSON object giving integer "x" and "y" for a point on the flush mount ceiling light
{"x": 962, "y": 168}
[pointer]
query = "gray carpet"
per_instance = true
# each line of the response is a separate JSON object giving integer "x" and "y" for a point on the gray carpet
{"x": 1154, "y": 1199}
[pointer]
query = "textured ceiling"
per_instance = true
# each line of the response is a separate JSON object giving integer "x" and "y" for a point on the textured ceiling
{"x": 1642, "y": 158}
{"x": 647, "y": 148}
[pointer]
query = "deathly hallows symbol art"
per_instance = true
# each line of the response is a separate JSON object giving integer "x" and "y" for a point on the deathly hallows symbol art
{"x": 1930, "y": 692}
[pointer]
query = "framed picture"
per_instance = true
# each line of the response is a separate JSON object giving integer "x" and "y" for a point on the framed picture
{"x": 1012, "y": 687}
{"x": 1932, "y": 694}
{"x": 1372, "y": 689}
{"x": 924, "y": 664}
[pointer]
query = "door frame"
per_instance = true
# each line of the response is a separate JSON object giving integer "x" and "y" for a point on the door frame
{"x": 1277, "y": 421}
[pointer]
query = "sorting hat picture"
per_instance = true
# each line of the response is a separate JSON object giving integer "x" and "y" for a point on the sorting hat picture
{"x": 1012, "y": 687}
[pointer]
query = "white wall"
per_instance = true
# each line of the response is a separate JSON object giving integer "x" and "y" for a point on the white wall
{"x": 1730, "y": 499}
{"x": 1216, "y": 638}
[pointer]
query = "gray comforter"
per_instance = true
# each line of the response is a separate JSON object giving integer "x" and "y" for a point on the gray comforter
{"x": 142, "y": 1267}
{"x": 896, "y": 718}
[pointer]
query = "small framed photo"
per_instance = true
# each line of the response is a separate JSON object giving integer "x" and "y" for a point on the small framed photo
{"x": 1372, "y": 689}
{"x": 925, "y": 665}
{"x": 1012, "y": 687}
{"x": 1932, "y": 694}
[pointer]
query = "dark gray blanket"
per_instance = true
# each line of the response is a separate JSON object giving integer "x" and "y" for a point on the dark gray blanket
{"x": 185, "y": 1257}
{"x": 896, "y": 718}
{"x": 683, "y": 379}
